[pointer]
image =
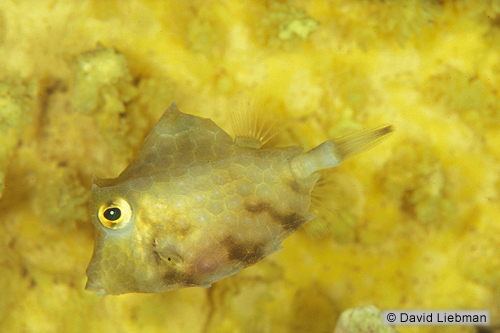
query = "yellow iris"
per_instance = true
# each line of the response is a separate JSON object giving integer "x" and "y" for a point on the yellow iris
{"x": 115, "y": 213}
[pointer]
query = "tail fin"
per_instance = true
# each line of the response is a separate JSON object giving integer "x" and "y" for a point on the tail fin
{"x": 333, "y": 152}
{"x": 353, "y": 144}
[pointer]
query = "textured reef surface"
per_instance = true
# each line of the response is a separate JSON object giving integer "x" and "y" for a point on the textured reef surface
{"x": 411, "y": 224}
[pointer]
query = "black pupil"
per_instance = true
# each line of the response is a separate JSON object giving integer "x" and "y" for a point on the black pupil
{"x": 112, "y": 214}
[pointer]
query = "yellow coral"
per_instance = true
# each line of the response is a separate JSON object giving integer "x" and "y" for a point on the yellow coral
{"x": 103, "y": 85}
{"x": 422, "y": 233}
{"x": 282, "y": 24}
{"x": 17, "y": 105}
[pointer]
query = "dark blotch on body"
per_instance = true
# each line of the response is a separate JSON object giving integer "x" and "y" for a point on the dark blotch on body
{"x": 296, "y": 188}
{"x": 289, "y": 222}
{"x": 247, "y": 253}
{"x": 171, "y": 276}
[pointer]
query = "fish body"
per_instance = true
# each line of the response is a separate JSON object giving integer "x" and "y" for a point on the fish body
{"x": 196, "y": 206}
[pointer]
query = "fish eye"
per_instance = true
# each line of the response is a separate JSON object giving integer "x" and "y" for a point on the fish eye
{"x": 114, "y": 213}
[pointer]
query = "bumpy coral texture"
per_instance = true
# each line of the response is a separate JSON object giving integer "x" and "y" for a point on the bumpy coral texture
{"x": 411, "y": 224}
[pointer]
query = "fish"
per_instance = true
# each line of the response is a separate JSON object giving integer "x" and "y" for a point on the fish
{"x": 195, "y": 206}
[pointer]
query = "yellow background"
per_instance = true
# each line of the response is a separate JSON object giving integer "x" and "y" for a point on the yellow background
{"x": 413, "y": 223}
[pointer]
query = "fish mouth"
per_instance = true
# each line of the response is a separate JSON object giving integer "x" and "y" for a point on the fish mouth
{"x": 94, "y": 287}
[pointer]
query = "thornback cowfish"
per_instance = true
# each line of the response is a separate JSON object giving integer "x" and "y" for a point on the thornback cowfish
{"x": 196, "y": 206}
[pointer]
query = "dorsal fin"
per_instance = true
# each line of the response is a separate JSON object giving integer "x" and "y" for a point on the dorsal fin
{"x": 177, "y": 141}
{"x": 252, "y": 127}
